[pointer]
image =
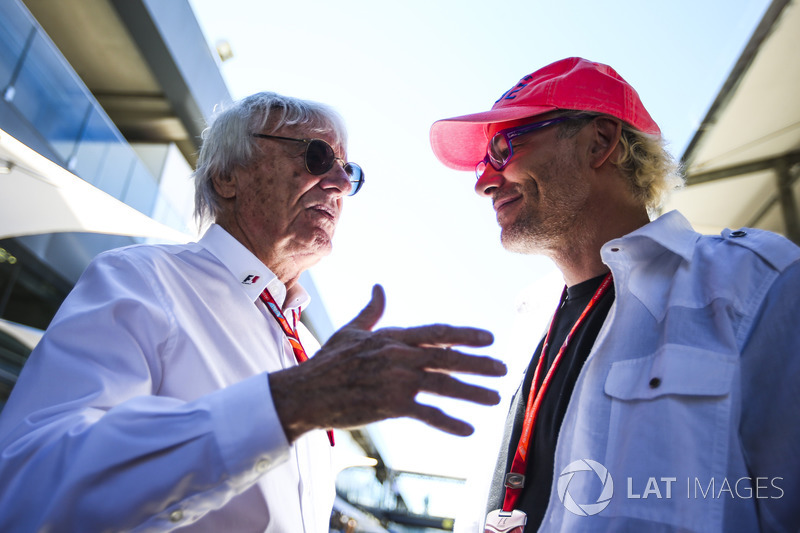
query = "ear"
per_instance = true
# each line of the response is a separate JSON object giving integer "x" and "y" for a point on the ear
{"x": 605, "y": 139}
{"x": 225, "y": 185}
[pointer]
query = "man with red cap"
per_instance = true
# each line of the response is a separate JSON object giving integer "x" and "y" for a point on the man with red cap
{"x": 652, "y": 402}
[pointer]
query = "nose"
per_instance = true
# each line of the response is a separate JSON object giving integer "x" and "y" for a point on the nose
{"x": 337, "y": 179}
{"x": 490, "y": 180}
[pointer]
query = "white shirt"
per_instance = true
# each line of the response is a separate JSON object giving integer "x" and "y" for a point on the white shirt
{"x": 146, "y": 406}
{"x": 689, "y": 395}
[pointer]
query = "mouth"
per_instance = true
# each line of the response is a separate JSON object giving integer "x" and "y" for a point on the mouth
{"x": 501, "y": 203}
{"x": 324, "y": 210}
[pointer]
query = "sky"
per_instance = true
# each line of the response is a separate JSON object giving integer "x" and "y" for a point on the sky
{"x": 393, "y": 68}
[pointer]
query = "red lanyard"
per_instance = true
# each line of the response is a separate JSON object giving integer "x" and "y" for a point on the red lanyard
{"x": 515, "y": 483}
{"x": 291, "y": 334}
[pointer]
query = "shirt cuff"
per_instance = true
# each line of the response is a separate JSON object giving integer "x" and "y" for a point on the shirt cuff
{"x": 249, "y": 434}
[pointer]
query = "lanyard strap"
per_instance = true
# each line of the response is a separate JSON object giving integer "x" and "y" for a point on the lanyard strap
{"x": 290, "y": 332}
{"x": 515, "y": 479}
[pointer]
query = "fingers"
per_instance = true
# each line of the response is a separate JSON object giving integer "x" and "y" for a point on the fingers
{"x": 436, "y": 418}
{"x": 377, "y": 375}
{"x": 455, "y": 361}
{"x": 445, "y": 385}
{"x": 435, "y": 335}
{"x": 370, "y": 315}
{"x": 442, "y": 335}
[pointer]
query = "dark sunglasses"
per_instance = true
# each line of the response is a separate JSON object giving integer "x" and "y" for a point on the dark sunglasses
{"x": 319, "y": 158}
{"x": 499, "y": 150}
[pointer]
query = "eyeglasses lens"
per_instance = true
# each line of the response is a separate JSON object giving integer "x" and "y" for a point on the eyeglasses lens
{"x": 498, "y": 151}
{"x": 356, "y": 176}
{"x": 319, "y": 157}
{"x": 480, "y": 168}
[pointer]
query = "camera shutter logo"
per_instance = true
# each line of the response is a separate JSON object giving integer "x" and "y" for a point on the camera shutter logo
{"x": 580, "y": 468}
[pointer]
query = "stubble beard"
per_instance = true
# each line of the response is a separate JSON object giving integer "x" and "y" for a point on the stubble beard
{"x": 528, "y": 236}
{"x": 550, "y": 226}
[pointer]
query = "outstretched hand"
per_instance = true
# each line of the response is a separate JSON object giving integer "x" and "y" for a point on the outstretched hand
{"x": 361, "y": 376}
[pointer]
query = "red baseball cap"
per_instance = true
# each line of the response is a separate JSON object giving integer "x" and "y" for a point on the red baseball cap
{"x": 573, "y": 83}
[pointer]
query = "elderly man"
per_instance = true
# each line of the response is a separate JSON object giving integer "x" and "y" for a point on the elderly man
{"x": 663, "y": 396}
{"x": 167, "y": 392}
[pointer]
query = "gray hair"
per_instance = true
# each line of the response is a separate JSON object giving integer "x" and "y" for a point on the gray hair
{"x": 227, "y": 143}
{"x": 651, "y": 170}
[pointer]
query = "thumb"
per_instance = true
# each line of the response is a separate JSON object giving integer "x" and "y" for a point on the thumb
{"x": 373, "y": 312}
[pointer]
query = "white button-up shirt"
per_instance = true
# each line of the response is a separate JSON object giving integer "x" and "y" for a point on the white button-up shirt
{"x": 146, "y": 406}
{"x": 688, "y": 399}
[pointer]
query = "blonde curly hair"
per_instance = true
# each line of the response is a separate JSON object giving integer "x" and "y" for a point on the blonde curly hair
{"x": 651, "y": 170}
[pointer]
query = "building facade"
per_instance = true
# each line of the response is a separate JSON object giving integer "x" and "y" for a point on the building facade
{"x": 117, "y": 92}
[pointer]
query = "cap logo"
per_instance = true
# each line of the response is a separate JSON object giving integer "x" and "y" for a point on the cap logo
{"x": 511, "y": 93}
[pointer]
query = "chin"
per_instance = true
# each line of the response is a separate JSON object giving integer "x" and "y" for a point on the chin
{"x": 516, "y": 246}
{"x": 321, "y": 243}
{"x": 518, "y": 240}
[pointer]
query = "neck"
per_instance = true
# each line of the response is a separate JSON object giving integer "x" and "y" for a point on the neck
{"x": 579, "y": 259}
{"x": 284, "y": 266}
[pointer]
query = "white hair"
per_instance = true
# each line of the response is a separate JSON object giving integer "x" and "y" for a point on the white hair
{"x": 227, "y": 142}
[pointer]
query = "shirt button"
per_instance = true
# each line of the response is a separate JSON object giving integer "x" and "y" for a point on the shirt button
{"x": 176, "y": 516}
{"x": 262, "y": 465}
{"x": 738, "y": 233}
{"x": 655, "y": 383}
{"x": 615, "y": 249}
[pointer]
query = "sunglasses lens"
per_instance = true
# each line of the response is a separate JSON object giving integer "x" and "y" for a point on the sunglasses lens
{"x": 499, "y": 151}
{"x": 319, "y": 157}
{"x": 356, "y": 176}
{"x": 480, "y": 168}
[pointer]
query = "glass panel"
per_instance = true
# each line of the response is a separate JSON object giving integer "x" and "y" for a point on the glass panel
{"x": 50, "y": 97}
{"x": 115, "y": 170}
{"x": 164, "y": 212}
{"x": 14, "y": 30}
{"x": 31, "y": 291}
{"x": 95, "y": 146}
{"x": 142, "y": 189}
{"x": 30, "y": 294}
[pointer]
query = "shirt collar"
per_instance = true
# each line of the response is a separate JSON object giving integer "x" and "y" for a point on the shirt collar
{"x": 253, "y": 276}
{"x": 671, "y": 231}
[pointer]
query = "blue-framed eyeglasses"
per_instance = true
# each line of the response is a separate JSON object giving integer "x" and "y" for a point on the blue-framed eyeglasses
{"x": 500, "y": 150}
{"x": 319, "y": 158}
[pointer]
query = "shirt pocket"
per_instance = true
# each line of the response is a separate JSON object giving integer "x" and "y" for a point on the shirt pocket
{"x": 669, "y": 431}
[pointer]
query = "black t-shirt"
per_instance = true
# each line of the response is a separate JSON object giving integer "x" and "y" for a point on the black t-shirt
{"x": 541, "y": 457}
